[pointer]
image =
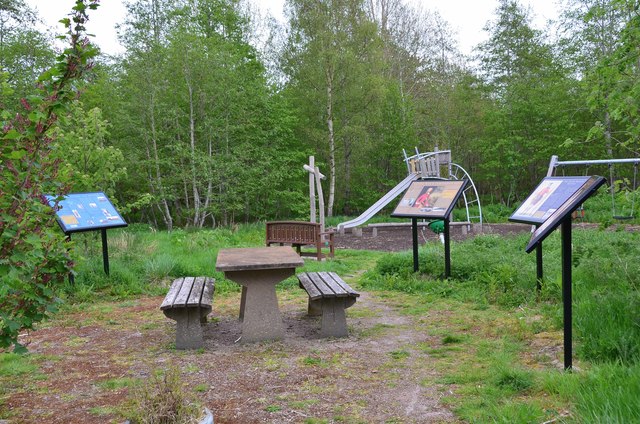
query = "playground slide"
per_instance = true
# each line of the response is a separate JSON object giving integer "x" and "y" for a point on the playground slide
{"x": 384, "y": 201}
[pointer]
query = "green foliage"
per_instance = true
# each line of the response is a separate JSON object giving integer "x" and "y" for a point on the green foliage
{"x": 95, "y": 166}
{"x": 33, "y": 256}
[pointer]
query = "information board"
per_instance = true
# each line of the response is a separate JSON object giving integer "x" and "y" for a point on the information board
{"x": 581, "y": 194}
{"x": 86, "y": 212}
{"x": 430, "y": 199}
{"x": 551, "y": 194}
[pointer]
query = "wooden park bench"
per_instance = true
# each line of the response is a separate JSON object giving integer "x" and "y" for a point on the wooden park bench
{"x": 188, "y": 303}
{"x": 329, "y": 296}
{"x": 298, "y": 234}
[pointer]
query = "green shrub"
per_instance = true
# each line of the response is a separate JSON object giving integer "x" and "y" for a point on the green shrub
{"x": 163, "y": 399}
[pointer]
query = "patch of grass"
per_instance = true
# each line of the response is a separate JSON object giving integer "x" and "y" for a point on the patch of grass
{"x": 399, "y": 355}
{"x": 304, "y": 404}
{"x": 609, "y": 393}
{"x": 75, "y": 341}
{"x": 314, "y": 361}
{"x": 452, "y": 339}
{"x": 316, "y": 421}
{"x": 118, "y": 383}
{"x": 13, "y": 364}
{"x": 377, "y": 330}
{"x": 201, "y": 388}
{"x": 104, "y": 410}
{"x": 513, "y": 379}
{"x": 273, "y": 408}
{"x": 163, "y": 398}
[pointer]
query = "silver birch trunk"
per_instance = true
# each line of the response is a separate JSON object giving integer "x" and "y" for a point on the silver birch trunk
{"x": 164, "y": 205}
{"x": 192, "y": 142}
{"x": 332, "y": 142}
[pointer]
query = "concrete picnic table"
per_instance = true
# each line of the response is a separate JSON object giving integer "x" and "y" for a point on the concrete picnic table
{"x": 258, "y": 270}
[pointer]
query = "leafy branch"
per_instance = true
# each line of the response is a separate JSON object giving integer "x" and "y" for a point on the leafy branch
{"x": 33, "y": 257}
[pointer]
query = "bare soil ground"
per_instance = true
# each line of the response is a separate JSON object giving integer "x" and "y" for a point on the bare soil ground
{"x": 361, "y": 378}
{"x": 398, "y": 238}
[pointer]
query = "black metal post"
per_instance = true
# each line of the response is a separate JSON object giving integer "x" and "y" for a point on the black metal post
{"x": 105, "y": 251}
{"x": 414, "y": 232}
{"x": 72, "y": 278}
{"x": 566, "y": 291}
{"x": 539, "y": 268}
{"x": 447, "y": 250}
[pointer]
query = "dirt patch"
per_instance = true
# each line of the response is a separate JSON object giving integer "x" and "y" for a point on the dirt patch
{"x": 398, "y": 238}
{"x": 377, "y": 374}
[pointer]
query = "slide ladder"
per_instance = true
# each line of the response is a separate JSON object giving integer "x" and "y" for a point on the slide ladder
{"x": 381, "y": 203}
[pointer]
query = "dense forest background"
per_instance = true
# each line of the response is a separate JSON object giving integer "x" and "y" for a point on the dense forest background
{"x": 210, "y": 114}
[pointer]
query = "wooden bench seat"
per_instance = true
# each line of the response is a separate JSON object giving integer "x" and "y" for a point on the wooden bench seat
{"x": 329, "y": 296}
{"x": 188, "y": 303}
{"x": 298, "y": 234}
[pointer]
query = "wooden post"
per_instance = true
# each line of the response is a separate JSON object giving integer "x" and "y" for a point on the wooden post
{"x": 320, "y": 198}
{"x": 312, "y": 190}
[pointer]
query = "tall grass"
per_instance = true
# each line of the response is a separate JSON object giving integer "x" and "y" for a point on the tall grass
{"x": 606, "y": 298}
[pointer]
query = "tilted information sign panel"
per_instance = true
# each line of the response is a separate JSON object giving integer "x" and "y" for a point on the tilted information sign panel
{"x": 78, "y": 212}
{"x": 580, "y": 195}
{"x": 430, "y": 199}
{"x": 551, "y": 194}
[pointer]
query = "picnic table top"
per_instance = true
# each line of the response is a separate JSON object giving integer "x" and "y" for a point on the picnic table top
{"x": 250, "y": 258}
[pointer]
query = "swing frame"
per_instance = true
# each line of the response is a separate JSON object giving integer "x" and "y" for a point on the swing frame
{"x": 556, "y": 163}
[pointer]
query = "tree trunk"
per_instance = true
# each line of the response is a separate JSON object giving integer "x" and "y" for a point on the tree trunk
{"x": 164, "y": 205}
{"x": 192, "y": 140}
{"x": 332, "y": 143}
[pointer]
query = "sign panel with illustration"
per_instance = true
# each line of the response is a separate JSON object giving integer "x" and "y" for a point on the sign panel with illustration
{"x": 550, "y": 194}
{"x": 576, "y": 198}
{"x": 430, "y": 199}
{"x": 86, "y": 211}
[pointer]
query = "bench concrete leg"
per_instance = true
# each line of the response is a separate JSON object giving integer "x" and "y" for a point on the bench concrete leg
{"x": 243, "y": 302}
{"x": 334, "y": 320}
{"x": 315, "y": 308}
{"x": 189, "y": 328}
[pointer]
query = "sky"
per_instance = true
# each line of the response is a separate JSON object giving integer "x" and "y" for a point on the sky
{"x": 467, "y": 17}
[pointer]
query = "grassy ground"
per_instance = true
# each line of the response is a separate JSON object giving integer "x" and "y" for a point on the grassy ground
{"x": 484, "y": 340}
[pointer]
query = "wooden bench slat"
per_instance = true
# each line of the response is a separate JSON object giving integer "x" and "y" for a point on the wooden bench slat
{"x": 309, "y": 286}
{"x": 196, "y": 292}
{"x": 322, "y": 286}
{"x": 207, "y": 293}
{"x": 171, "y": 295}
{"x": 337, "y": 288}
{"x": 347, "y": 288}
{"x": 182, "y": 297}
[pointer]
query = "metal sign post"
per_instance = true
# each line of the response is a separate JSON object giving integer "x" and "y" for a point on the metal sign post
{"x": 434, "y": 200}
{"x": 549, "y": 206}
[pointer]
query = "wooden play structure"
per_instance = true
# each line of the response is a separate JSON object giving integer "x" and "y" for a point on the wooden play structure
{"x": 300, "y": 233}
{"x": 430, "y": 165}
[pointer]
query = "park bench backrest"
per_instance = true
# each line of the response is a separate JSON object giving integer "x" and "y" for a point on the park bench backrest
{"x": 294, "y": 232}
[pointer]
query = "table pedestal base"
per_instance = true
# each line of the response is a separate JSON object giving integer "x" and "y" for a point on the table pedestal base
{"x": 259, "y": 312}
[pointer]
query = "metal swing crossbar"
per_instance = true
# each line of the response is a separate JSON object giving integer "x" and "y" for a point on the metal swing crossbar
{"x": 555, "y": 163}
